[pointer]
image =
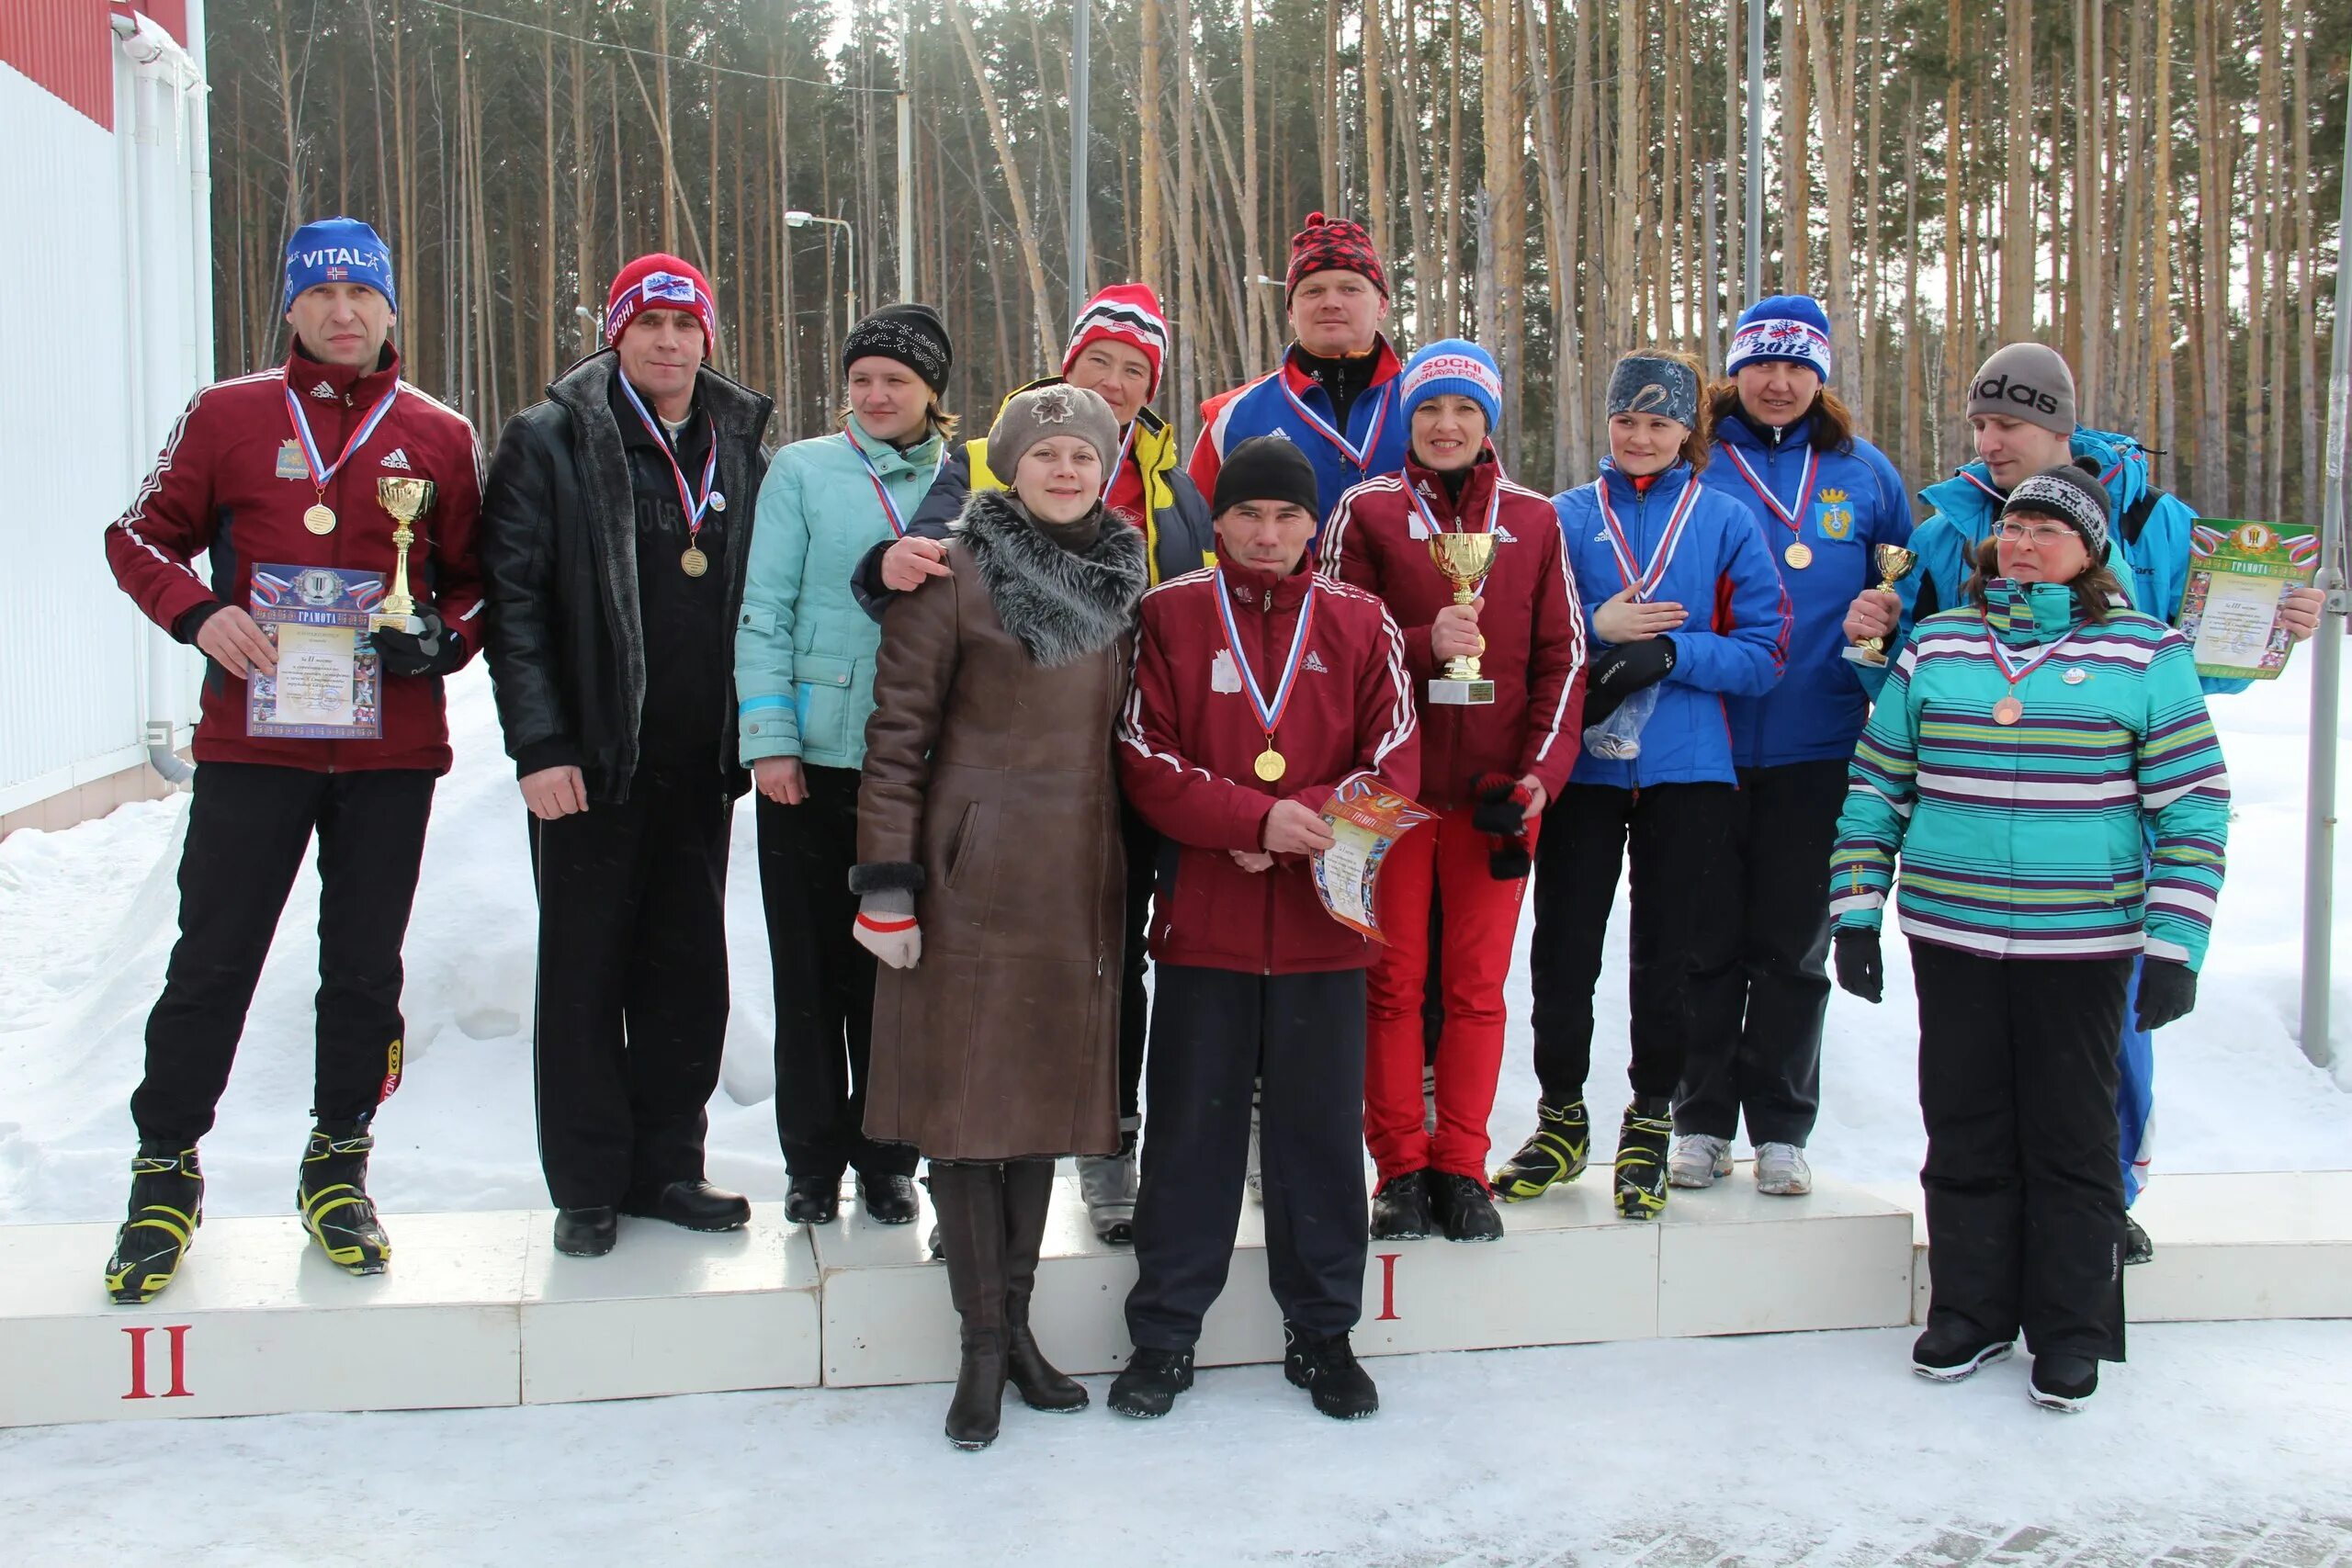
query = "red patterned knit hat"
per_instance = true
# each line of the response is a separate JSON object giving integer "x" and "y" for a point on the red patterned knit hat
{"x": 661, "y": 282}
{"x": 1332, "y": 244}
{"x": 1130, "y": 313}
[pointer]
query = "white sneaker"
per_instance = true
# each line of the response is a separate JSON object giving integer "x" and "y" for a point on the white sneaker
{"x": 1698, "y": 1158}
{"x": 1781, "y": 1170}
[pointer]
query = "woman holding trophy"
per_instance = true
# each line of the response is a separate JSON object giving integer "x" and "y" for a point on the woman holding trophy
{"x": 1473, "y": 570}
{"x": 1831, "y": 508}
{"x": 1687, "y": 612}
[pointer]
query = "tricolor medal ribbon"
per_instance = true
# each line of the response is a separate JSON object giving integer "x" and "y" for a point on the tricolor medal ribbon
{"x": 890, "y": 512}
{"x": 1428, "y": 518}
{"x": 1798, "y": 554}
{"x": 1359, "y": 456}
{"x": 320, "y": 518}
{"x": 1270, "y": 765}
{"x": 2010, "y": 709}
{"x": 1126, "y": 445}
{"x": 1644, "y": 580}
{"x": 692, "y": 562}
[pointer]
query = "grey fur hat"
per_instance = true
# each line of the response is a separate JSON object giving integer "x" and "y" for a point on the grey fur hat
{"x": 1056, "y": 409}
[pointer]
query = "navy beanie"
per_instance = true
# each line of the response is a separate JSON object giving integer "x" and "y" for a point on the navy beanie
{"x": 1787, "y": 326}
{"x": 337, "y": 250}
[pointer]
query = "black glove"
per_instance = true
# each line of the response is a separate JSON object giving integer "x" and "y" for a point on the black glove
{"x": 435, "y": 651}
{"x": 1501, "y": 815}
{"x": 1622, "y": 670}
{"x": 1860, "y": 972}
{"x": 2167, "y": 992}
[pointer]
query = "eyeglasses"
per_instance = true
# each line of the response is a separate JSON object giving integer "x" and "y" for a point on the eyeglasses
{"x": 2040, "y": 535}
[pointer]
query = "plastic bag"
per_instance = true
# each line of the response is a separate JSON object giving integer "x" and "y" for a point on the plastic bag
{"x": 1619, "y": 737}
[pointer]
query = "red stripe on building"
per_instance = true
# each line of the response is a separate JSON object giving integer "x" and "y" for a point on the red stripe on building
{"x": 66, "y": 47}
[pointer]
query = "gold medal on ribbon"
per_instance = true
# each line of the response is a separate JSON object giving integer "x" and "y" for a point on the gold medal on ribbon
{"x": 1269, "y": 762}
{"x": 319, "y": 518}
{"x": 1799, "y": 556}
{"x": 694, "y": 562}
{"x": 2009, "y": 710}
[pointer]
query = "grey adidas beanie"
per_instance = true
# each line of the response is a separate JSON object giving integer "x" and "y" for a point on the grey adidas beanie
{"x": 2069, "y": 493}
{"x": 1055, "y": 409}
{"x": 2026, "y": 381}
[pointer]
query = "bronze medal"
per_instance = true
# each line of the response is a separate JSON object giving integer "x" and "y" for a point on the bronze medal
{"x": 1269, "y": 762}
{"x": 1799, "y": 556}
{"x": 694, "y": 562}
{"x": 2009, "y": 710}
{"x": 319, "y": 519}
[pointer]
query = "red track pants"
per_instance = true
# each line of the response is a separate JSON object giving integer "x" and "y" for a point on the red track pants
{"x": 1481, "y": 916}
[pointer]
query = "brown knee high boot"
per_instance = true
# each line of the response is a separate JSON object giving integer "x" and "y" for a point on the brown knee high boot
{"x": 969, "y": 1198}
{"x": 1028, "y": 1191}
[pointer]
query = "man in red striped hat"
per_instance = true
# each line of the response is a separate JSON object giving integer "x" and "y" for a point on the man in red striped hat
{"x": 277, "y": 478}
{"x": 614, "y": 530}
{"x": 1335, "y": 393}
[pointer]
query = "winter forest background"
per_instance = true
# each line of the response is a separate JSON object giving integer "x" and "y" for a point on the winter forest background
{"x": 2151, "y": 186}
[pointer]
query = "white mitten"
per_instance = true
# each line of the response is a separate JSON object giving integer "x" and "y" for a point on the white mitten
{"x": 886, "y": 928}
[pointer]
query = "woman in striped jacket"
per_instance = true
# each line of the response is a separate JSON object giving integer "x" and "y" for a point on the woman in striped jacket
{"x": 2024, "y": 751}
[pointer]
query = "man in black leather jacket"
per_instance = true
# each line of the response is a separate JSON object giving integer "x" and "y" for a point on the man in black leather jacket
{"x": 616, "y": 524}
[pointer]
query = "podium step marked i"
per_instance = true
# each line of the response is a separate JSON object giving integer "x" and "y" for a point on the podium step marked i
{"x": 479, "y": 1309}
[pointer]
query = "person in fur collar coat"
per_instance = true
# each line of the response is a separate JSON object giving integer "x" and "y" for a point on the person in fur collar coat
{"x": 995, "y": 1044}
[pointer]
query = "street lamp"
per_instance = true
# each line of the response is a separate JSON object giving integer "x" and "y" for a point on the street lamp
{"x": 797, "y": 219}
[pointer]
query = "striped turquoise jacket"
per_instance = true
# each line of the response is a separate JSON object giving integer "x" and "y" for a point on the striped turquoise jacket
{"x": 2032, "y": 839}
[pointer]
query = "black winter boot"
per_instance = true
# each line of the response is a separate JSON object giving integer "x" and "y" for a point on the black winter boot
{"x": 2063, "y": 1382}
{"x": 1148, "y": 1388}
{"x": 1642, "y": 1141}
{"x": 1462, "y": 1208}
{"x": 333, "y": 1196}
{"x": 1400, "y": 1210}
{"x": 166, "y": 1205}
{"x": 1556, "y": 1153}
{"x": 1028, "y": 1194}
{"x": 1947, "y": 1352}
{"x": 1326, "y": 1367}
{"x": 970, "y": 1201}
{"x": 812, "y": 1199}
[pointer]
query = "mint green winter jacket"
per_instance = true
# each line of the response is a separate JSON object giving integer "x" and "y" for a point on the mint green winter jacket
{"x": 2093, "y": 825}
{"x": 804, "y": 651}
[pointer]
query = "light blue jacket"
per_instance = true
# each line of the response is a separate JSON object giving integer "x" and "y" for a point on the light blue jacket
{"x": 804, "y": 651}
{"x": 1967, "y": 506}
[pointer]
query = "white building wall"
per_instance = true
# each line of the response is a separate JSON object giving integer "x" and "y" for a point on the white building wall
{"x": 105, "y": 332}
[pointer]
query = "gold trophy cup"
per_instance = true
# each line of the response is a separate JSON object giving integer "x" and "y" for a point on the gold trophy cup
{"x": 1464, "y": 559}
{"x": 406, "y": 500}
{"x": 1895, "y": 564}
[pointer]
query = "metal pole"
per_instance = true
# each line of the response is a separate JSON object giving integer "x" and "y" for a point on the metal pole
{"x": 1754, "y": 150}
{"x": 2327, "y": 672}
{"x": 906, "y": 154}
{"x": 1081, "y": 236}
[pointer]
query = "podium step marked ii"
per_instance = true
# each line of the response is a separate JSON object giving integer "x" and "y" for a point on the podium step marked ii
{"x": 479, "y": 1309}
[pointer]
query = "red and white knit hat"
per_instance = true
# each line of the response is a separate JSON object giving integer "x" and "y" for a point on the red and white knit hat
{"x": 661, "y": 282}
{"x": 1130, "y": 313}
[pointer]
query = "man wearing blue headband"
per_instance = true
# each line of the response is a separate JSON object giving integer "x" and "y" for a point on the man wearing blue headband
{"x": 280, "y": 477}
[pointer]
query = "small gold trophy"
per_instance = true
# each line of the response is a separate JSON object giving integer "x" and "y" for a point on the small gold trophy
{"x": 1463, "y": 558}
{"x": 406, "y": 500}
{"x": 1895, "y": 564}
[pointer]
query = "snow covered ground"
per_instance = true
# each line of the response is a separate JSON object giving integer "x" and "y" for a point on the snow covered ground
{"x": 1780, "y": 1448}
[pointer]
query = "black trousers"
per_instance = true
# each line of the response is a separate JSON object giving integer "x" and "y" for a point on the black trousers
{"x": 632, "y": 987}
{"x": 2025, "y": 1198}
{"x": 1142, "y": 846}
{"x": 1212, "y": 1031}
{"x": 1764, "y": 951}
{"x": 1676, "y": 833}
{"x": 824, "y": 983}
{"x": 248, "y": 828}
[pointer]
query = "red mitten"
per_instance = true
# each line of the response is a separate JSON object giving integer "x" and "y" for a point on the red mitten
{"x": 1501, "y": 815}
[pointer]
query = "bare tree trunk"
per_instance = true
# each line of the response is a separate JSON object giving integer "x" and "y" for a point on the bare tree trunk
{"x": 2214, "y": 214}
{"x": 1425, "y": 288}
{"x": 1453, "y": 199}
{"x": 2160, "y": 205}
{"x": 1327, "y": 138}
{"x": 1153, "y": 155}
{"x": 1375, "y": 145}
{"x": 1623, "y": 324}
{"x": 661, "y": 127}
{"x": 2308, "y": 502}
{"x": 2088, "y": 315}
{"x": 1796, "y": 179}
{"x": 1559, "y": 233}
{"x": 2017, "y": 229}
{"x": 1836, "y": 109}
{"x": 1955, "y": 245}
{"x": 1866, "y": 378}
{"x": 547, "y": 237}
{"x": 1023, "y": 229}
{"x": 1259, "y": 334}
{"x": 1913, "y": 350}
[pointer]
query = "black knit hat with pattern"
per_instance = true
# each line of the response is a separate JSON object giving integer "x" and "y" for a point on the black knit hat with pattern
{"x": 912, "y": 334}
{"x": 2069, "y": 493}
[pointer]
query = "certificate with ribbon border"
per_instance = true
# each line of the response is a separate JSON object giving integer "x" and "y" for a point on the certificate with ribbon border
{"x": 329, "y": 682}
{"x": 2238, "y": 573}
{"x": 1366, "y": 818}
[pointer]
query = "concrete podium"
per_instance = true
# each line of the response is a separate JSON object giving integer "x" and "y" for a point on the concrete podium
{"x": 479, "y": 1309}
